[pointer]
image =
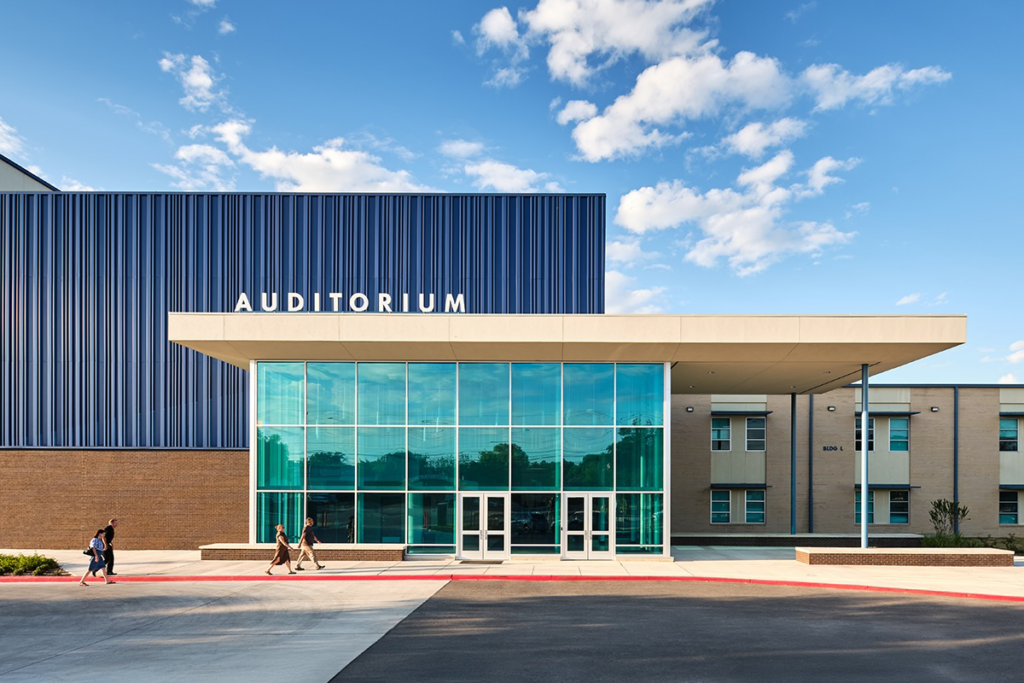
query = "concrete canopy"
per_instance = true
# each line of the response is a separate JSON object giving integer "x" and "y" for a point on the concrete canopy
{"x": 725, "y": 354}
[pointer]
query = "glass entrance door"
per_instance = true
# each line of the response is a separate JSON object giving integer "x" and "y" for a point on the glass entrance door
{"x": 483, "y": 530}
{"x": 588, "y": 524}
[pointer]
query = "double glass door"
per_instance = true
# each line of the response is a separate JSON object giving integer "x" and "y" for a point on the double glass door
{"x": 588, "y": 526}
{"x": 483, "y": 529}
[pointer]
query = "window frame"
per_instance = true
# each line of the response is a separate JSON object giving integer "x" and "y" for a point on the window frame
{"x": 1016, "y": 507}
{"x": 1015, "y": 441}
{"x": 905, "y": 495}
{"x": 727, "y": 440}
{"x": 857, "y": 434}
{"x": 764, "y": 435}
{"x": 893, "y": 441}
{"x": 763, "y": 503}
{"x": 727, "y": 501}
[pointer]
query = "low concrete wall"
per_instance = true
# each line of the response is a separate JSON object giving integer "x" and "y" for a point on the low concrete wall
{"x": 163, "y": 499}
{"x": 365, "y": 552}
{"x": 907, "y": 557}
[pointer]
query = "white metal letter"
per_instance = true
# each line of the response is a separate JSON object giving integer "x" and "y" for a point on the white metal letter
{"x": 272, "y": 306}
{"x": 405, "y": 302}
{"x": 295, "y": 302}
{"x": 455, "y": 304}
{"x": 424, "y": 308}
{"x": 316, "y": 301}
{"x": 335, "y": 299}
{"x": 358, "y": 308}
{"x": 383, "y": 303}
{"x": 243, "y": 304}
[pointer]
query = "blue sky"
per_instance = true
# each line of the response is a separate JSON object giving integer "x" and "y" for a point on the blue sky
{"x": 758, "y": 157}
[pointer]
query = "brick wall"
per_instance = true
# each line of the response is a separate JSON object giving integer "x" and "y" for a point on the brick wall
{"x": 163, "y": 499}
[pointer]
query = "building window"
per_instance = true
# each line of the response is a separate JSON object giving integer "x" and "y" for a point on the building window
{"x": 1008, "y": 434}
{"x": 721, "y": 428}
{"x": 720, "y": 507}
{"x": 871, "y": 507}
{"x": 755, "y": 506}
{"x": 899, "y": 434}
{"x": 899, "y": 507}
{"x": 756, "y": 433}
{"x": 871, "y": 435}
{"x": 1008, "y": 507}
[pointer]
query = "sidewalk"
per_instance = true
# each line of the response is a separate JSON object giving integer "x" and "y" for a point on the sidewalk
{"x": 750, "y": 564}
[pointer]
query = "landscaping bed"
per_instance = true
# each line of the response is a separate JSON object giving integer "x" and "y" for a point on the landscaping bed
{"x": 35, "y": 565}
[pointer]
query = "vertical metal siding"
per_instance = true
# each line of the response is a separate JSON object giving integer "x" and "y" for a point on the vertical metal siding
{"x": 87, "y": 280}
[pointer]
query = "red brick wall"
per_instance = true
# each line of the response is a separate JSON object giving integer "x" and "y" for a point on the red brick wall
{"x": 163, "y": 499}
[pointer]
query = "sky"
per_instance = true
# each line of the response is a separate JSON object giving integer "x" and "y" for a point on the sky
{"x": 773, "y": 157}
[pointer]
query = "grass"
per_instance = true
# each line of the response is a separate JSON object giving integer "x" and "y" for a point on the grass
{"x": 36, "y": 565}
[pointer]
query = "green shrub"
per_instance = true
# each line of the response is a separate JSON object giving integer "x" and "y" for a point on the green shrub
{"x": 946, "y": 516}
{"x": 18, "y": 565}
{"x": 946, "y": 541}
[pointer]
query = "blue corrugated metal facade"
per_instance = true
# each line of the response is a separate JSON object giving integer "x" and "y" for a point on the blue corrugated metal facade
{"x": 87, "y": 280}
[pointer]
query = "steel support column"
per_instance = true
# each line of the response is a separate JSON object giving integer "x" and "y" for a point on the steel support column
{"x": 865, "y": 434}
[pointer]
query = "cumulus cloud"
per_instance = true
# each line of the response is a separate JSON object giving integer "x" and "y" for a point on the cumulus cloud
{"x": 1009, "y": 378}
{"x": 744, "y": 226}
{"x": 628, "y": 252}
{"x": 457, "y": 38}
{"x": 200, "y": 167}
{"x": 909, "y": 299}
{"x": 205, "y": 4}
{"x": 501, "y": 177}
{"x": 225, "y": 26}
{"x": 329, "y": 167}
{"x": 461, "y": 149}
{"x": 497, "y": 29}
{"x": 71, "y": 185}
{"x": 576, "y": 110}
{"x": 673, "y": 91}
{"x": 197, "y": 78}
{"x": 753, "y": 139}
{"x": 11, "y": 144}
{"x": 622, "y": 296}
{"x": 1017, "y": 349}
{"x": 819, "y": 176}
{"x": 833, "y": 86}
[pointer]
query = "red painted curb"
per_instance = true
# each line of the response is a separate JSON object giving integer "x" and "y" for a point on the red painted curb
{"x": 529, "y": 577}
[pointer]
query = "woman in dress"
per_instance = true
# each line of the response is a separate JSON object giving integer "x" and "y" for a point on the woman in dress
{"x": 97, "y": 545}
{"x": 281, "y": 555}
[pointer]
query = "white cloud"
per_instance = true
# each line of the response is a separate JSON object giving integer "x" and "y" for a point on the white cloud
{"x": 197, "y": 79}
{"x": 457, "y": 38}
{"x": 200, "y": 167}
{"x": 621, "y": 296}
{"x": 71, "y": 185}
{"x": 834, "y": 86}
{"x": 818, "y": 177}
{"x": 330, "y": 167}
{"x": 225, "y": 27}
{"x": 858, "y": 208}
{"x": 206, "y": 4}
{"x": 628, "y": 252}
{"x": 753, "y": 139}
{"x": 795, "y": 14}
{"x": 673, "y": 91}
{"x": 1018, "y": 352}
{"x": 1009, "y": 378}
{"x": 461, "y": 149}
{"x": 576, "y": 110}
{"x": 508, "y": 77}
{"x": 745, "y": 226}
{"x": 152, "y": 127}
{"x": 501, "y": 177}
{"x": 939, "y": 300}
{"x": 203, "y": 154}
{"x": 611, "y": 30}
{"x": 11, "y": 144}
{"x": 909, "y": 299}
{"x": 497, "y": 29}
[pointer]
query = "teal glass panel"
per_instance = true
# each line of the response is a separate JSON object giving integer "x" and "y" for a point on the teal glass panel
{"x": 331, "y": 393}
{"x": 483, "y": 459}
{"x": 639, "y": 550}
{"x": 278, "y": 508}
{"x": 381, "y": 393}
{"x": 639, "y": 395}
{"x": 381, "y": 517}
{"x": 640, "y": 459}
{"x": 535, "y": 519}
{"x": 431, "y": 458}
{"x": 755, "y": 508}
{"x": 430, "y": 550}
{"x": 589, "y": 393}
{"x": 334, "y": 516}
{"x": 483, "y": 393}
{"x": 1008, "y": 507}
{"x": 599, "y": 514}
{"x": 432, "y": 393}
{"x": 280, "y": 393}
{"x": 575, "y": 543}
{"x": 536, "y": 550}
{"x": 536, "y": 394}
{"x": 721, "y": 507}
{"x": 279, "y": 455}
{"x": 871, "y": 507}
{"x": 431, "y": 518}
{"x": 899, "y": 434}
{"x": 381, "y": 458}
{"x": 330, "y": 458}
{"x": 599, "y": 543}
{"x": 638, "y": 519}
{"x": 587, "y": 456}
{"x": 536, "y": 458}
{"x": 899, "y": 507}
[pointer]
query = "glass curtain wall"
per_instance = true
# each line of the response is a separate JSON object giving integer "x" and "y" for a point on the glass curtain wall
{"x": 378, "y": 452}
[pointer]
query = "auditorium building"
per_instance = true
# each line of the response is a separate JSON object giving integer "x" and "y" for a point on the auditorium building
{"x": 435, "y": 373}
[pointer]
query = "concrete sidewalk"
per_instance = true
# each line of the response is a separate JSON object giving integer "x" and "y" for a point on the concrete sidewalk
{"x": 721, "y": 563}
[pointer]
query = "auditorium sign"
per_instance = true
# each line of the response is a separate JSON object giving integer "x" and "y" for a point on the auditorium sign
{"x": 357, "y": 303}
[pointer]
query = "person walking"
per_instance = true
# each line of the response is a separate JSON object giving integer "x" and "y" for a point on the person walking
{"x": 281, "y": 555}
{"x": 108, "y": 554}
{"x": 98, "y": 546}
{"x": 306, "y": 542}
